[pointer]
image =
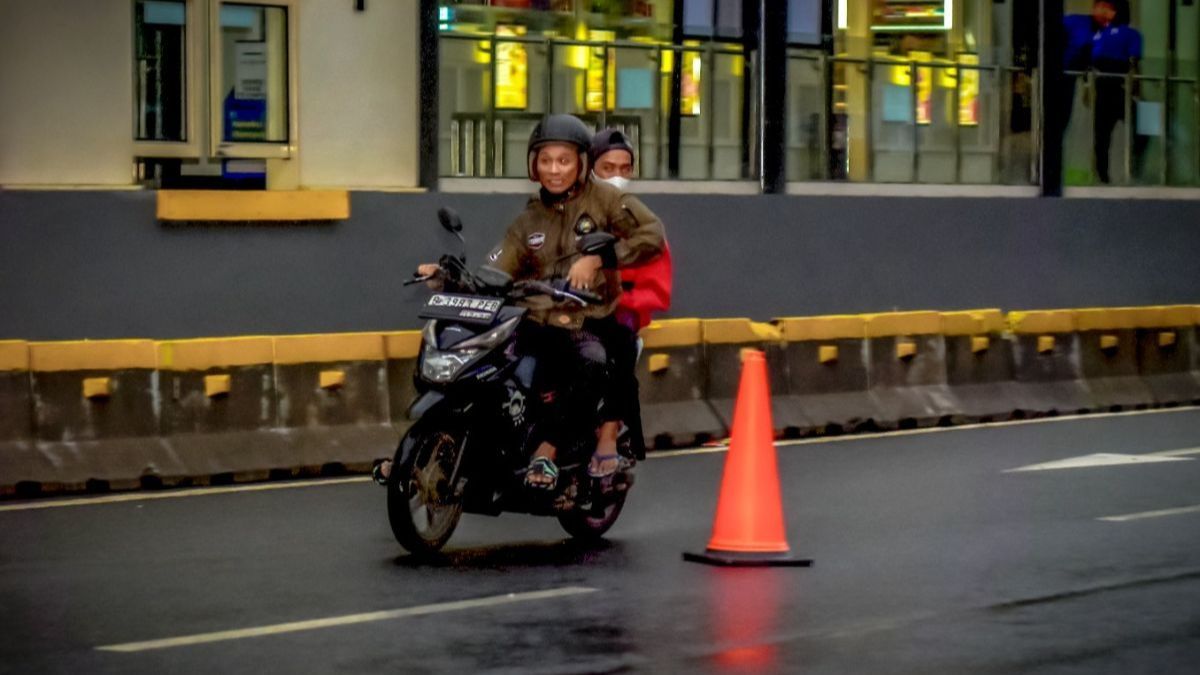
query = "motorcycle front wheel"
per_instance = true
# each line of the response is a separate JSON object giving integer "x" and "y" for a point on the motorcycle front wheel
{"x": 424, "y": 495}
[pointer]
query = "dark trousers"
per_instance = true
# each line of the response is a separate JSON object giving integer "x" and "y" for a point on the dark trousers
{"x": 571, "y": 379}
{"x": 1110, "y": 109}
{"x": 621, "y": 398}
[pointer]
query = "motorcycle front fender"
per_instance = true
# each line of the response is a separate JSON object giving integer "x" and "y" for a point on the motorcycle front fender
{"x": 424, "y": 404}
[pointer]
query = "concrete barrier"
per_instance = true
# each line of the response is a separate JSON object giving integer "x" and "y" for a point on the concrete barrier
{"x": 724, "y": 340}
{"x": 16, "y": 415}
{"x": 979, "y": 365}
{"x": 16, "y": 407}
{"x": 827, "y": 370}
{"x": 907, "y": 369}
{"x": 1108, "y": 357}
{"x": 218, "y": 406}
{"x": 671, "y": 378}
{"x": 1168, "y": 358}
{"x": 95, "y": 414}
{"x": 1046, "y": 363}
{"x": 333, "y": 398}
{"x": 401, "y": 349}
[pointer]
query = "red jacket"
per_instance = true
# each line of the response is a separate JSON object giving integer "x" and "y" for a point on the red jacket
{"x": 647, "y": 290}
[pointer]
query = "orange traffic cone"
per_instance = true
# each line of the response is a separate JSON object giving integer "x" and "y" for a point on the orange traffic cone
{"x": 748, "y": 529}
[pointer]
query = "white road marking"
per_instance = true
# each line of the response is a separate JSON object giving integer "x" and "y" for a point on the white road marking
{"x": 821, "y": 440}
{"x": 1098, "y": 459}
{"x": 1151, "y": 514}
{"x": 685, "y": 452}
{"x": 345, "y": 620}
{"x": 176, "y": 494}
{"x": 1176, "y": 453}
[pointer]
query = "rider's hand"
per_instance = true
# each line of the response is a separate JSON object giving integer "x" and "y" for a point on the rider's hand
{"x": 432, "y": 270}
{"x": 583, "y": 272}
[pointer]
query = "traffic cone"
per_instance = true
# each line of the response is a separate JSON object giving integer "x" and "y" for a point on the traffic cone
{"x": 748, "y": 529}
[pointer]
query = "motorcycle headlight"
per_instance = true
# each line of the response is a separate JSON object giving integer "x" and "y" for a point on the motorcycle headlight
{"x": 444, "y": 366}
{"x": 491, "y": 338}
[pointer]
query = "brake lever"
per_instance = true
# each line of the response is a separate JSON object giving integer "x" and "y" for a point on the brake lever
{"x": 419, "y": 279}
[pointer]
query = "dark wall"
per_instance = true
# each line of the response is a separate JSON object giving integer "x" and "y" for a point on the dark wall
{"x": 98, "y": 265}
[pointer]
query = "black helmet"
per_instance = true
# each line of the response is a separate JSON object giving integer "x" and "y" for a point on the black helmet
{"x": 560, "y": 129}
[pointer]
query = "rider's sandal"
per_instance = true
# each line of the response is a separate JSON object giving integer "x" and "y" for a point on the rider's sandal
{"x": 595, "y": 466}
{"x": 542, "y": 474}
{"x": 377, "y": 472}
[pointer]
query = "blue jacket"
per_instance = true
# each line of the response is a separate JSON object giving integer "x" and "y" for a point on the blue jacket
{"x": 1108, "y": 49}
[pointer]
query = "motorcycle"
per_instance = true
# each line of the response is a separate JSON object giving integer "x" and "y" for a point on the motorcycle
{"x": 469, "y": 446}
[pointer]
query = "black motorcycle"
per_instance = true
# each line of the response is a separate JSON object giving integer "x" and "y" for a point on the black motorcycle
{"x": 469, "y": 446}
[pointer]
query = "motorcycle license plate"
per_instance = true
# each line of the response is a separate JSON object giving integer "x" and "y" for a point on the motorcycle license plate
{"x": 467, "y": 308}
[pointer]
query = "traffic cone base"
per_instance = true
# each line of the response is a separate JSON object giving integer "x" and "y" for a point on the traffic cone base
{"x": 734, "y": 559}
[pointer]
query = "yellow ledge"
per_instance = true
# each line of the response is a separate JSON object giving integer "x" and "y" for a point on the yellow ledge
{"x": 405, "y": 344}
{"x": 1055, "y": 321}
{"x": 14, "y": 355}
{"x": 671, "y": 333}
{"x": 330, "y": 348}
{"x": 92, "y": 355}
{"x": 738, "y": 331}
{"x": 973, "y": 322}
{"x": 204, "y": 354}
{"x": 903, "y": 323}
{"x": 814, "y": 328}
{"x": 253, "y": 205}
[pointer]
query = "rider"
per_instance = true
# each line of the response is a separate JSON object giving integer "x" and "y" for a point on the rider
{"x": 539, "y": 244}
{"x": 647, "y": 286}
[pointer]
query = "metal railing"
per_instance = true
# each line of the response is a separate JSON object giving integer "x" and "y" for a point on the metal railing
{"x": 478, "y": 140}
{"x": 494, "y": 140}
{"x": 1131, "y": 84}
{"x": 998, "y": 92}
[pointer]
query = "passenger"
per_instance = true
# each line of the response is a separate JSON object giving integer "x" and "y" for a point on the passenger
{"x": 646, "y": 290}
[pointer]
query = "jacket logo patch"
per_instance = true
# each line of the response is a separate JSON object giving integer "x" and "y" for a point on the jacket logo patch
{"x": 584, "y": 225}
{"x": 536, "y": 240}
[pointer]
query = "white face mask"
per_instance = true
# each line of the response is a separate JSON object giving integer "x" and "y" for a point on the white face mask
{"x": 620, "y": 182}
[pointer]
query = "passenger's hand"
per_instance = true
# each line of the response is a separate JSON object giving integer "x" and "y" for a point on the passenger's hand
{"x": 433, "y": 271}
{"x": 583, "y": 272}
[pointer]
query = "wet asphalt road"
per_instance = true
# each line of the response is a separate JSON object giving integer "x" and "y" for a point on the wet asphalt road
{"x": 929, "y": 559}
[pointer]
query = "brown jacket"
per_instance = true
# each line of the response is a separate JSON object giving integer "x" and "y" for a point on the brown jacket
{"x": 539, "y": 244}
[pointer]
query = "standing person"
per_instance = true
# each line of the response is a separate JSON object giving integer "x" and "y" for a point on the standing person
{"x": 1102, "y": 41}
{"x": 647, "y": 289}
{"x": 1116, "y": 48}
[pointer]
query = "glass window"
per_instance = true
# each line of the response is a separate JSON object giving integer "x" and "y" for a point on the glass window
{"x": 160, "y": 70}
{"x": 254, "y": 73}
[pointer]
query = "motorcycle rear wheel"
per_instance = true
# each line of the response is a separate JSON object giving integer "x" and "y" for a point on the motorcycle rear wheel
{"x": 590, "y": 526}
{"x": 424, "y": 500}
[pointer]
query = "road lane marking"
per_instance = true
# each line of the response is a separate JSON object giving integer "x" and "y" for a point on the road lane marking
{"x": 345, "y": 620}
{"x": 666, "y": 454}
{"x": 900, "y": 433}
{"x": 1151, "y": 514}
{"x": 176, "y": 494}
{"x": 1098, "y": 459}
{"x": 1176, "y": 453}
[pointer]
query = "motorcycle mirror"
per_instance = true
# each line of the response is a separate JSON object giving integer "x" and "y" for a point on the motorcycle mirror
{"x": 450, "y": 220}
{"x": 595, "y": 242}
